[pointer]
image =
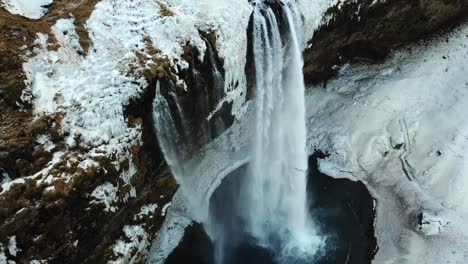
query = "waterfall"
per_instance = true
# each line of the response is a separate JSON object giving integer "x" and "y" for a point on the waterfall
{"x": 169, "y": 136}
{"x": 268, "y": 203}
{"x": 272, "y": 197}
{"x": 275, "y": 202}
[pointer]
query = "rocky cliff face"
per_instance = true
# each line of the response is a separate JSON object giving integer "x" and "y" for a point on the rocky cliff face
{"x": 68, "y": 198}
{"x": 56, "y": 220}
{"x": 367, "y": 30}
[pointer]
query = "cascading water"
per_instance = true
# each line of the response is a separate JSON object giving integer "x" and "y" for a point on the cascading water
{"x": 275, "y": 198}
{"x": 272, "y": 197}
{"x": 169, "y": 136}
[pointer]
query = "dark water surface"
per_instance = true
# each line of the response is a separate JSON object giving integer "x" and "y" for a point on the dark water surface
{"x": 343, "y": 211}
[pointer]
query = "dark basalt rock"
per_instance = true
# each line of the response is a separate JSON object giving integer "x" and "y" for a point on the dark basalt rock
{"x": 362, "y": 31}
{"x": 205, "y": 90}
{"x": 344, "y": 212}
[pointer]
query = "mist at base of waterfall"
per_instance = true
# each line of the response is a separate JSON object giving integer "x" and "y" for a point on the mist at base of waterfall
{"x": 345, "y": 219}
{"x": 234, "y": 244}
{"x": 234, "y": 236}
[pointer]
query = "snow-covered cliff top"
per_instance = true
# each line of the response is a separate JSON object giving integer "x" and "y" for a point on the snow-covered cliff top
{"x": 28, "y": 8}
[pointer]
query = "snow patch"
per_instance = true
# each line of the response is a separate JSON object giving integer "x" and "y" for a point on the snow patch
{"x": 107, "y": 195}
{"x": 49, "y": 189}
{"x": 65, "y": 33}
{"x": 46, "y": 142}
{"x": 34, "y": 9}
{"x": 3, "y": 258}
{"x": 125, "y": 251}
{"x": 164, "y": 209}
{"x": 35, "y": 261}
{"x": 7, "y": 185}
{"x": 12, "y": 248}
{"x": 378, "y": 2}
{"x": 4, "y": 177}
{"x": 146, "y": 210}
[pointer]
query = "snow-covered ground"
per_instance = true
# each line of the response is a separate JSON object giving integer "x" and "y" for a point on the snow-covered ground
{"x": 402, "y": 128}
{"x": 34, "y": 9}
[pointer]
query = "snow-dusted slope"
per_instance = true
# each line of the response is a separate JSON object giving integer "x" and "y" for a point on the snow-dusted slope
{"x": 402, "y": 128}
{"x": 91, "y": 90}
{"x": 85, "y": 92}
{"x": 28, "y": 8}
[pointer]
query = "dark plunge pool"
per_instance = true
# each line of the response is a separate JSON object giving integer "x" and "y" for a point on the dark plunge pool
{"x": 342, "y": 209}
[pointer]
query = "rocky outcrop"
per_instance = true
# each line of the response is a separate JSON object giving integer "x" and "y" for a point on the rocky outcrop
{"x": 367, "y": 30}
{"x": 205, "y": 80}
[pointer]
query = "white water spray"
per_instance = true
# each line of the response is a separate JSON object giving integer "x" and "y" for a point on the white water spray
{"x": 170, "y": 139}
{"x": 274, "y": 196}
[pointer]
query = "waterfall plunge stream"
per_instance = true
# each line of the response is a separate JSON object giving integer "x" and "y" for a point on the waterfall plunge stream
{"x": 272, "y": 196}
{"x": 275, "y": 193}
